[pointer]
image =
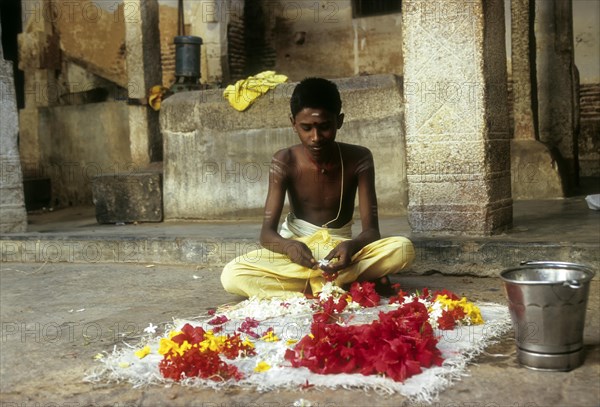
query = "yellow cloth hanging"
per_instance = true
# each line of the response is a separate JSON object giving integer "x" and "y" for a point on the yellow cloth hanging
{"x": 246, "y": 91}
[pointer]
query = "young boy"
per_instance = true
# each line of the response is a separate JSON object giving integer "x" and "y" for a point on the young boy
{"x": 321, "y": 178}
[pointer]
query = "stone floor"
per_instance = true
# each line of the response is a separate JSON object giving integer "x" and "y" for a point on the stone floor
{"x": 56, "y": 317}
{"x": 57, "y": 314}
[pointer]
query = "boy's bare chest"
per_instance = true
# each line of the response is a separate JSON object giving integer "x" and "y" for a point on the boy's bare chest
{"x": 315, "y": 187}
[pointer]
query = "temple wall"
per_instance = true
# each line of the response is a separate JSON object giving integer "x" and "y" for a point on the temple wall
{"x": 217, "y": 159}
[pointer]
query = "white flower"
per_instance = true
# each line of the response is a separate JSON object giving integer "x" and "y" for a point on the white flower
{"x": 331, "y": 290}
{"x": 150, "y": 329}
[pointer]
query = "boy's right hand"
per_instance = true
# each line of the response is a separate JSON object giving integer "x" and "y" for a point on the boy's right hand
{"x": 299, "y": 253}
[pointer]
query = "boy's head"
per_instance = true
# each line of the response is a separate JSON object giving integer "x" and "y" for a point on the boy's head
{"x": 317, "y": 93}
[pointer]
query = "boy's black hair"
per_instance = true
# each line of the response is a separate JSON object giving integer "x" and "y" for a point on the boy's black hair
{"x": 317, "y": 93}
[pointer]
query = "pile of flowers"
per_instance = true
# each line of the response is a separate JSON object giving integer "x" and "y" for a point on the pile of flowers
{"x": 446, "y": 309}
{"x": 398, "y": 343}
{"x": 194, "y": 352}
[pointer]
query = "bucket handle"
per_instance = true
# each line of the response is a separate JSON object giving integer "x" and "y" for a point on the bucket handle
{"x": 575, "y": 284}
{"x": 547, "y": 263}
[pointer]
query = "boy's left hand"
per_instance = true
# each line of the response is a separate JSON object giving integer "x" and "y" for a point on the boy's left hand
{"x": 343, "y": 253}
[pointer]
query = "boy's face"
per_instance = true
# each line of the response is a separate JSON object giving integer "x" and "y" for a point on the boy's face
{"x": 317, "y": 129}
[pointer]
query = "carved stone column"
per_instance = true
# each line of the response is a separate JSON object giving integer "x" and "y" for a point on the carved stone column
{"x": 535, "y": 172}
{"x": 13, "y": 217}
{"x": 455, "y": 88}
{"x": 142, "y": 39}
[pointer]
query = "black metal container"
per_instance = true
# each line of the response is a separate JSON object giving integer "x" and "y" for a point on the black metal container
{"x": 187, "y": 57}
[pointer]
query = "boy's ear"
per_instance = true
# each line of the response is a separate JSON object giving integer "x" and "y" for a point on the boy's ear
{"x": 340, "y": 120}
{"x": 292, "y": 119}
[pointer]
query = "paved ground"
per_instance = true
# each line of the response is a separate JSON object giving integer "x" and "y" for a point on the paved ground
{"x": 70, "y": 288}
{"x": 55, "y": 317}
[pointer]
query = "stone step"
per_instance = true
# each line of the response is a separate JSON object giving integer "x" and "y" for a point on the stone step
{"x": 554, "y": 230}
{"x": 458, "y": 256}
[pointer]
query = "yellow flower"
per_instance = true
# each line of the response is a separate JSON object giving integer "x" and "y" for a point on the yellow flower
{"x": 165, "y": 346}
{"x": 270, "y": 337}
{"x": 291, "y": 342}
{"x": 142, "y": 353}
{"x": 174, "y": 333}
{"x": 248, "y": 343}
{"x": 212, "y": 342}
{"x": 472, "y": 311}
{"x": 184, "y": 347}
{"x": 262, "y": 367}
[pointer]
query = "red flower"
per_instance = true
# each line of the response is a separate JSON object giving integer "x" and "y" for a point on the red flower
{"x": 248, "y": 326}
{"x": 330, "y": 277}
{"x": 397, "y": 345}
{"x": 219, "y": 320}
{"x": 447, "y": 293}
{"x": 364, "y": 294}
{"x": 329, "y": 308}
{"x": 448, "y": 319}
{"x": 205, "y": 364}
{"x": 400, "y": 295}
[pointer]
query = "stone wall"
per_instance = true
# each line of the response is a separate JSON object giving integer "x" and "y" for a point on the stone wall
{"x": 79, "y": 142}
{"x": 589, "y": 130}
{"x": 217, "y": 159}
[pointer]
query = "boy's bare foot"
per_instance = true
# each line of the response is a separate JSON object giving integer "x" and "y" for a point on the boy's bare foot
{"x": 383, "y": 287}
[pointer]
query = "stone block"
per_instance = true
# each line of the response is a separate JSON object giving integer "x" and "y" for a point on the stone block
{"x": 128, "y": 198}
{"x": 217, "y": 159}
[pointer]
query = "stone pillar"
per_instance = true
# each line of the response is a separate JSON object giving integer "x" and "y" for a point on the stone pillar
{"x": 143, "y": 71}
{"x": 521, "y": 69}
{"x": 39, "y": 59}
{"x": 13, "y": 217}
{"x": 455, "y": 89}
{"x": 557, "y": 84}
{"x": 210, "y": 22}
{"x": 534, "y": 171}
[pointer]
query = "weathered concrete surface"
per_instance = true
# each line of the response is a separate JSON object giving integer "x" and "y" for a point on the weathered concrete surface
{"x": 457, "y": 136}
{"x": 91, "y": 33}
{"x": 56, "y": 317}
{"x": 217, "y": 159}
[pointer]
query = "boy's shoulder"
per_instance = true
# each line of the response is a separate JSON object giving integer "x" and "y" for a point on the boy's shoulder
{"x": 286, "y": 153}
{"x": 355, "y": 150}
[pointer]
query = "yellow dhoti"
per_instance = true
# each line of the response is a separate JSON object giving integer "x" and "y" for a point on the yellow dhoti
{"x": 265, "y": 274}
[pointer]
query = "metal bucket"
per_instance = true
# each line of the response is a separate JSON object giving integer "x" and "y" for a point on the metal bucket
{"x": 547, "y": 302}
